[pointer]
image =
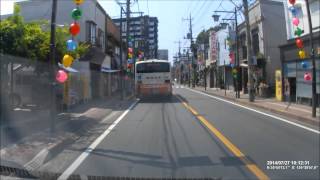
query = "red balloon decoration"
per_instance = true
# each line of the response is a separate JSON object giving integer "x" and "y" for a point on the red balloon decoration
{"x": 307, "y": 77}
{"x": 61, "y": 76}
{"x": 292, "y": 2}
{"x": 74, "y": 28}
{"x": 299, "y": 43}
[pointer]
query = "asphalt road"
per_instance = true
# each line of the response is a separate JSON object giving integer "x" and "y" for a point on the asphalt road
{"x": 195, "y": 136}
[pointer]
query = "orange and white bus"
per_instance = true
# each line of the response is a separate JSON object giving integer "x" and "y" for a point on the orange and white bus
{"x": 153, "y": 77}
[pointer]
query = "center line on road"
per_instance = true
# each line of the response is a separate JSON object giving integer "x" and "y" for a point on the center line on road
{"x": 234, "y": 149}
{"x": 68, "y": 172}
{"x": 254, "y": 110}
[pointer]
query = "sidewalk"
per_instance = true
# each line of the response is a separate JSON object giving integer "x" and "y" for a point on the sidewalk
{"x": 296, "y": 111}
{"x": 38, "y": 147}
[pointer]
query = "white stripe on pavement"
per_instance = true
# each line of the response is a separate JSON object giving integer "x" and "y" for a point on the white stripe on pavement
{"x": 68, "y": 172}
{"x": 263, "y": 113}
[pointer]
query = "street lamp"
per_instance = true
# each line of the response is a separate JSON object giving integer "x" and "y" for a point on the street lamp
{"x": 223, "y": 25}
{"x": 216, "y": 17}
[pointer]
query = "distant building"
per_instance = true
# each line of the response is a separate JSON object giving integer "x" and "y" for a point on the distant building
{"x": 144, "y": 32}
{"x": 163, "y": 54}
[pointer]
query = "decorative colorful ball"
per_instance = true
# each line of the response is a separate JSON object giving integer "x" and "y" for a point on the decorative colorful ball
{"x": 61, "y": 76}
{"x": 76, "y": 14}
{"x": 130, "y": 50}
{"x": 298, "y": 32}
{"x": 71, "y": 45}
{"x": 302, "y": 54}
{"x": 78, "y": 2}
{"x": 299, "y": 43}
{"x": 304, "y": 64}
{"x": 74, "y": 29}
{"x": 234, "y": 71}
{"x": 67, "y": 60}
{"x": 293, "y": 11}
{"x": 130, "y": 44}
{"x": 295, "y": 21}
{"x": 292, "y": 2}
{"x": 307, "y": 76}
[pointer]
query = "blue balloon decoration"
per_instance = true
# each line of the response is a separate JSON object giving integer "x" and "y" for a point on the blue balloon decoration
{"x": 232, "y": 65}
{"x": 71, "y": 45}
{"x": 130, "y": 44}
{"x": 304, "y": 65}
{"x": 293, "y": 11}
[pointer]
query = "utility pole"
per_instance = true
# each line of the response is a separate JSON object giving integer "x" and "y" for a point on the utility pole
{"x": 179, "y": 57}
{"x": 189, "y": 72}
{"x": 52, "y": 64}
{"x": 191, "y": 47}
{"x": 237, "y": 55}
{"x": 128, "y": 25}
{"x": 314, "y": 75}
{"x": 249, "y": 52}
{"x": 121, "y": 57}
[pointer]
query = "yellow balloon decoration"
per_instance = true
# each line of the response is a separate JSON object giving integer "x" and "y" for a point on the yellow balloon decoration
{"x": 78, "y": 2}
{"x": 67, "y": 60}
{"x": 302, "y": 54}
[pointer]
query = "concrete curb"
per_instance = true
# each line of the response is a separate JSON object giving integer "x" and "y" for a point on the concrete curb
{"x": 280, "y": 112}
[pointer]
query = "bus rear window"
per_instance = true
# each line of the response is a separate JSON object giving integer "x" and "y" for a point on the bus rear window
{"x": 153, "y": 67}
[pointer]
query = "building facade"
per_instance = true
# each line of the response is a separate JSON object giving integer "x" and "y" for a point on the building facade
{"x": 99, "y": 66}
{"x": 163, "y": 54}
{"x": 92, "y": 23}
{"x": 292, "y": 69}
{"x": 144, "y": 33}
{"x": 268, "y": 31}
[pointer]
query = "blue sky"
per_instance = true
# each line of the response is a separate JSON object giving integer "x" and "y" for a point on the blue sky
{"x": 170, "y": 14}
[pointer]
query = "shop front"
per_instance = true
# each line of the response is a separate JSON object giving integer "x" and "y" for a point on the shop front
{"x": 294, "y": 70}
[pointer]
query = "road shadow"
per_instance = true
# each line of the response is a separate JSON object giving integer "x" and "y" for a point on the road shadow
{"x": 159, "y": 99}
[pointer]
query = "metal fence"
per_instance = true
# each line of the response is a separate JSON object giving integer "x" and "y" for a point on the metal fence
{"x": 31, "y": 98}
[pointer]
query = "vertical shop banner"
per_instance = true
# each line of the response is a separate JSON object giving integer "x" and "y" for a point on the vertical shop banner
{"x": 278, "y": 85}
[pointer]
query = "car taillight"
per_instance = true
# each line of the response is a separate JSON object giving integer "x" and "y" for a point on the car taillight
{"x": 167, "y": 81}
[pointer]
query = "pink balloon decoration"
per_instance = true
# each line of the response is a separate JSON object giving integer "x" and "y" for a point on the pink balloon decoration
{"x": 307, "y": 77}
{"x": 61, "y": 76}
{"x": 295, "y": 21}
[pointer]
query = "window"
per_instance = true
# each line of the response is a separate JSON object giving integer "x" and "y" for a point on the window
{"x": 153, "y": 67}
{"x": 101, "y": 38}
{"x": 255, "y": 41}
{"x": 314, "y": 7}
{"x": 91, "y": 32}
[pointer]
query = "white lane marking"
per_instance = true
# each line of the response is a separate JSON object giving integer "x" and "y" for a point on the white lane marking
{"x": 263, "y": 113}
{"x": 290, "y": 107}
{"x": 86, "y": 153}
